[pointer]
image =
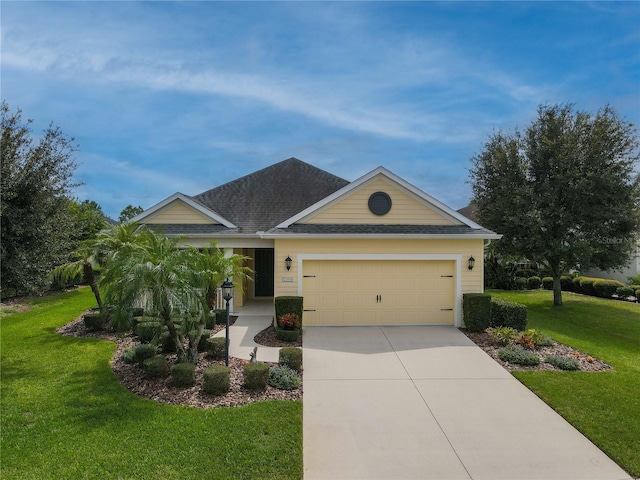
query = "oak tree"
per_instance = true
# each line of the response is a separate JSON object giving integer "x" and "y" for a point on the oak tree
{"x": 565, "y": 192}
{"x": 36, "y": 186}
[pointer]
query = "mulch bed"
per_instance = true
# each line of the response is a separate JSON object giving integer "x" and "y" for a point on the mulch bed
{"x": 587, "y": 362}
{"x": 161, "y": 390}
{"x": 269, "y": 338}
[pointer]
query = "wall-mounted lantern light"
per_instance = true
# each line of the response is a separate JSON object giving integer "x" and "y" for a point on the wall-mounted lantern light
{"x": 472, "y": 262}
{"x": 287, "y": 262}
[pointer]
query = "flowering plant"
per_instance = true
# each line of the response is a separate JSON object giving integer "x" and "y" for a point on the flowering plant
{"x": 289, "y": 321}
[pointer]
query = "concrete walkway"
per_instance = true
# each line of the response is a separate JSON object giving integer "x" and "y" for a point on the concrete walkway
{"x": 252, "y": 319}
{"x": 426, "y": 403}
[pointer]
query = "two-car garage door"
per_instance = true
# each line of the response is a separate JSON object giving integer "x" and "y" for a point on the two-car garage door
{"x": 378, "y": 292}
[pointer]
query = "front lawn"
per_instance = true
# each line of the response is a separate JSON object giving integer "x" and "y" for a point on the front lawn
{"x": 65, "y": 415}
{"x": 604, "y": 406}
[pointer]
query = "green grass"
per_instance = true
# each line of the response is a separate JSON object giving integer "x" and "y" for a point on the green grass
{"x": 65, "y": 415}
{"x": 604, "y": 406}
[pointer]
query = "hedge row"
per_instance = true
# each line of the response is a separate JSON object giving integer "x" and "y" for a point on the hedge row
{"x": 508, "y": 314}
{"x": 597, "y": 287}
{"x": 481, "y": 311}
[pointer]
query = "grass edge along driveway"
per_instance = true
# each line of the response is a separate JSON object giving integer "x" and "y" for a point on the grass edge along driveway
{"x": 603, "y": 406}
{"x": 65, "y": 415}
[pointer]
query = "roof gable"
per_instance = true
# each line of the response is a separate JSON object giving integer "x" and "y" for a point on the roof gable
{"x": 409, "y": 205}
{"x": 259, "y": 201}
{"x": 181, "y": 209}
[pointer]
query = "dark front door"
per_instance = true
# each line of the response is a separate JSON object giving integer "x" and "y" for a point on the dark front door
{"x": 264, "y": 272}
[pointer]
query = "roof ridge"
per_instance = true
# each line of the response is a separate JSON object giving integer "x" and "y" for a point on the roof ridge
{"x": 262, "y": 171}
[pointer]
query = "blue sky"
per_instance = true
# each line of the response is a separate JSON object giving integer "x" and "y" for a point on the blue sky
{"x": 164, "y": 97}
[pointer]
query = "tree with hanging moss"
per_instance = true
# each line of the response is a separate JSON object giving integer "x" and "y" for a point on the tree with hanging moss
{"x": 565, "y": 192}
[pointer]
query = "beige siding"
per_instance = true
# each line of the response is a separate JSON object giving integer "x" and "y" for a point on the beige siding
{"x": 354, "y": 208}
{"x": 179, "y": 212}
{"x": 471, "y": 281}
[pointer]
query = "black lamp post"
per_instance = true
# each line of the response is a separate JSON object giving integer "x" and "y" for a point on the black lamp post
{"x": 227, "y": 294}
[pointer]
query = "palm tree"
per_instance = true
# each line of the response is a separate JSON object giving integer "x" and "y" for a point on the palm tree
{"x": 216, "y": 266}
{"x": 120, "y": 238}
{"x": 156, "y": 275}
{"x": 170, "y": 280}
{"x": 88, "y": 258}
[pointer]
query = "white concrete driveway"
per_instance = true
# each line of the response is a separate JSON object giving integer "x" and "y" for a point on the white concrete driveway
{"x": 426, "y": 403}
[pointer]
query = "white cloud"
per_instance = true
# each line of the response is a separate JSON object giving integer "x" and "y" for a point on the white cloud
{"x": 370, "y": 94}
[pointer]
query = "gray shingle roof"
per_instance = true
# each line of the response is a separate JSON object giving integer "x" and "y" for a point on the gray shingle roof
{"x": 357, "y": 229}
{"x": 263, "y": 199}
{"x": 189, "y": 229}
{"x": 469, "y": 211}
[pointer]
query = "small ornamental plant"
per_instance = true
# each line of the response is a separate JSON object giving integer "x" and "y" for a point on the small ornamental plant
{"x": 563, "y": 363}
{"x": 503, "y": 336}
{"x": 518, "y": 355}
{"x": 289, "y": 321}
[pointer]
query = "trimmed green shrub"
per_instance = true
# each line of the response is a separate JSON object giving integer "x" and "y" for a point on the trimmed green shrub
{"x": 522, "y": 283}
{"x": 183, "y": 374}
{"x": 283, "y": 378}
{"x": 563, "y": 363}
{"x": 143, "y": 351}
{"x": 606, "y": 288}
{"x": 476, "y": 311}
{"x": 216, "y": 347}
{"x": 566, "y": 283}
{"x": 533, "y": 283}
{"x": 526, "y": 273}
{"x": 547, "y": 283}
{"x": 210, "y": 321}
{"x": 256, "y": 376}
{"x": 288, "y": 335}
{"x": 624, "y": 292}
{"x": 156, "y": 367}
{"x": 508, "y": 314}
{"x": 575, "y": 285}
{"x": 503, "y": 336}
{"x": 149, "y": 331}
{"x": 518, "y": 355}
{"x": 94, "y": 322}
{"x": 216, "y": 380}
{"x": 221, "y": 316}
{"x": 167, "y": 343}
{"x": 586, "y": 286}
{"x": 202, "y": 343}
{"x": 291, "y": 357}
{"x": 290, "y": 304}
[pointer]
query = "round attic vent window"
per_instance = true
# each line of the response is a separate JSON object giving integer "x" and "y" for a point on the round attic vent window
{"x": 379, "y": 203}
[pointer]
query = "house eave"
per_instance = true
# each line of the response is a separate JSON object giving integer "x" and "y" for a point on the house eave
{"x": 207, "y": 212}
{"x": 382, "y": 236}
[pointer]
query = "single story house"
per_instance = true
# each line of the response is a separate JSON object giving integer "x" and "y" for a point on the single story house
{"x": 375, "y": 251}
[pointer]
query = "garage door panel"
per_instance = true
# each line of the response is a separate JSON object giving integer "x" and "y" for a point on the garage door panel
{"x": 379, "y": 292}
